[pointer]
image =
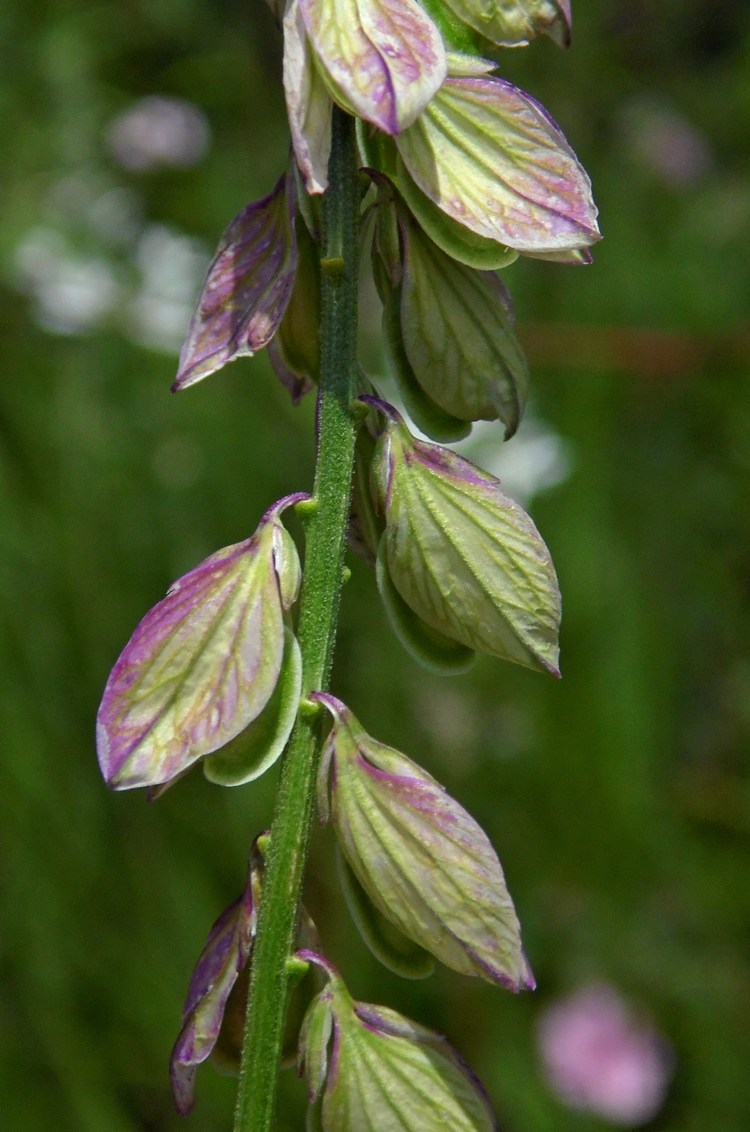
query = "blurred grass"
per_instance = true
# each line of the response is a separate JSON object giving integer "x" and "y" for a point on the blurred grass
{"x": 618, "y": 799}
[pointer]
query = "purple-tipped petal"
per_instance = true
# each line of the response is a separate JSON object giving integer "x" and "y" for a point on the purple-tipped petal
{"x": 247, "y": 288}
{"x": 226, "y": 952}
{"x": 384, "y": 59}
{"x": 203, "y": 663}
{"x": 420, "y": 857}
{"x": 492, "y": 159}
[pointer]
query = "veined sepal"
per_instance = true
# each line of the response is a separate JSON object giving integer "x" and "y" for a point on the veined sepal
{"x": 213, "y": 1019}
{"x": 423, "y": 410}
{"x": 257, "y": 748}
{"x": 382, "y": 60}
{"x": 456, "y": 240}
{"x": 464, "y": 557}
{"x": 425, "y": 864}
{"x": 247, "y": 287}
{"x": 394, "y": 949}
{"x": 430, "y": 648}
{"x": 457, "y": 333}
{"x": 203, "y": 664}
{"x": 370, "y": 1069}
{"x": 294, "y": 351}
{"x": 493, "y": 159}
{"x": 507, "y": 23}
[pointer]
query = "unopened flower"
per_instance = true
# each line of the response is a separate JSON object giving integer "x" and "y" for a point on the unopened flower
{"x": 204, "y": 664}
{"x": 464, "y": 557}
{"x": 381, "y": 60}
{"x": 449, "y": 332}
{"x": 224, "y": 957}
{"x": 422, "y": 860}
{"x": 491, "y": 158}
{"x": 513, "y": 23}
{"x": 374, "y": 1070}
{"x": 602, "y": 1057}
{"x": 247, "y": 287}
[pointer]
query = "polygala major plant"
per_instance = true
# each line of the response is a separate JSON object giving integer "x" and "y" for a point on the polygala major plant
{"x": 407, "y": 148}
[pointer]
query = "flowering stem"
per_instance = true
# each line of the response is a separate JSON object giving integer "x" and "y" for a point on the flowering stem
{"x": 326, "y": 525}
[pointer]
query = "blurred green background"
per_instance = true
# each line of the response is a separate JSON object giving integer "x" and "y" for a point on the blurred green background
{"x": 618, "y": 798}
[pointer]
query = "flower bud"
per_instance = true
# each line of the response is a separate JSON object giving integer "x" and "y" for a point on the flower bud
{"x": 455, "y": 327}
{"x": 374, "y": 1069}
{"x": 204, "y": 663}
{"x": 513, "y": 23}
{"x": 247, "y": 287}
{"x": 423, "y": 861}
{"x": 463, "y": 556}
{"x": 493, "y": 160}
{"x": 381, "y": 60}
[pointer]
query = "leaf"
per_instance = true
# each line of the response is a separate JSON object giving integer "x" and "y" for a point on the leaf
{"x": 492, "y": 159}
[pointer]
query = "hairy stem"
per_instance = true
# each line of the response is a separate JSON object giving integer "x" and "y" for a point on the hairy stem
{"x": 321, "y": 590}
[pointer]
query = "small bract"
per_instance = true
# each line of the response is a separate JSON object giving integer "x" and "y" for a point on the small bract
{"x": 462, "y": 555}
{"x": 204, "y": 663}
{"x": 423, "y": 861}
{"x": 373, "y": 1070}
{"x": 247, "y": 287}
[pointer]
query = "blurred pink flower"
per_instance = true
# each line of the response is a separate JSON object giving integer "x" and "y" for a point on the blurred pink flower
{"x": 601, "y": 1056}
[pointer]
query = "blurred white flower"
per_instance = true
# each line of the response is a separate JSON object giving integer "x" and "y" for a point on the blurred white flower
{"x": 172, "y": 266}
{"x": 72, "y": 292}
{"x": 158, "y": 131}
{"x": 601, "y": 1056}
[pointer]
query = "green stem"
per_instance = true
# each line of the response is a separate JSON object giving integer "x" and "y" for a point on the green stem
{"x": 321, "y": 591}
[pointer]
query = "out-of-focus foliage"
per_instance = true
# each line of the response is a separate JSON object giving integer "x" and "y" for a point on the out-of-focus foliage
{"x": 618, "y": 799}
